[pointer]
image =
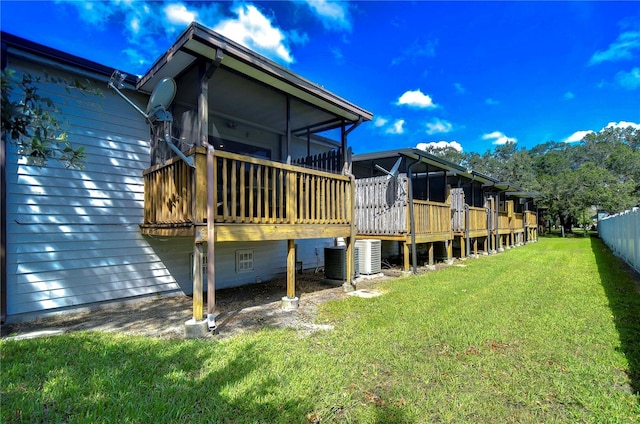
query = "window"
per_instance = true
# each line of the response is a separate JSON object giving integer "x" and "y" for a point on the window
{"x": 240, "y": 148}
{"x": 244, "y": 260}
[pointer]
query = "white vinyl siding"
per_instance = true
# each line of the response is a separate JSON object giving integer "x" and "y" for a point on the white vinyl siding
{"x": 73, "y": 236}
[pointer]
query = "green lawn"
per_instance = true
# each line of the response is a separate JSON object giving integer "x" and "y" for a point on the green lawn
{"x": 549, "y": 332}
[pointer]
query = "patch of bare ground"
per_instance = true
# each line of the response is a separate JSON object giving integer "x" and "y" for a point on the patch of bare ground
{"x": 238, "y": 310}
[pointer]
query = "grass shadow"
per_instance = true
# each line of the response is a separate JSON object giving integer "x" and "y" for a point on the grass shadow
{"x": 89, "y": 377}
{"x": 622, "y": 287}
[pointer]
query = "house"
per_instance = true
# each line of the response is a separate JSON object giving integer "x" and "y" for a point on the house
{"x": 414, "y": 201}
{"x": 145, "y": 217}
{"x": 403, "y": 198}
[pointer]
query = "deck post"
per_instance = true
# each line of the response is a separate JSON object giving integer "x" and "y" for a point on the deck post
{"x": 197, "y": 327}
{"x": 349, "y": 284}
{"x": 290, "y": 301}
{"x": 431, "y": 256}
{"x": 405, "y": 249}
{"x": 462, "y": 247}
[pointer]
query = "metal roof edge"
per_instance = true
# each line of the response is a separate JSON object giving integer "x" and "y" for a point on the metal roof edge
{"x": 54, "y": 55}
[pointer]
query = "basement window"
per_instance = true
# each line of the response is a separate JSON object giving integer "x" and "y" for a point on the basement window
{"x": 244, "y": 260}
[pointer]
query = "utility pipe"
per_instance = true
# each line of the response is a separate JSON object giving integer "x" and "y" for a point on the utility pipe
{"x": 466, "y": 228}
{"x": 412, "y": 223}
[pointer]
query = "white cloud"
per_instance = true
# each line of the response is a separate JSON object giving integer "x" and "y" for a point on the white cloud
{"x": 396, "y": 128}
{"x": 499, "y": 138}
{"x": 178, "y": 14}
{"x": 623, "y": 124}
{"x": 580, "y": 135}
{"x": 492, "y": 102}
{"x": 629, "y": 80}
{"x": 147, "y": 25}
{"x": 417, "y": 99}
{"x": 333, "y": 15}
{"x": 436, "y": 145}
{"x": 459, "y": 88}
{"x": 621, "y": 49}
{"x": 439, "y": 126}
{"x": 254, "y": 30}
{"x": 380, "y": 121}
{"x": 569, "y": 95}
{"x": 577, "y": 136}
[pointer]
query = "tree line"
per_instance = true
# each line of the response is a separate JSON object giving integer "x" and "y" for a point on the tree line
{"x": 602, "y": 171}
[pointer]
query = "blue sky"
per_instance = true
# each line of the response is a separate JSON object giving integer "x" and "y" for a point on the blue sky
{"x": 470, "y": 74}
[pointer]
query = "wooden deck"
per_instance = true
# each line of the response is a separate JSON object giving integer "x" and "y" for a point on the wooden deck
{"x": 254, "y": 200}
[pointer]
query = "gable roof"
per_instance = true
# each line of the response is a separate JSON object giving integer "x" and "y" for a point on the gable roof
{"x": 200, "y": 42}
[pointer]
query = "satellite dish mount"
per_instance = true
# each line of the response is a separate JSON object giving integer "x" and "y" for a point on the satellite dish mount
{"x": 156, "y": 112}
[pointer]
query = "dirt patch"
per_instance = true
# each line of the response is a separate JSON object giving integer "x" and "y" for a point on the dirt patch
{"x": 238, "y": 310}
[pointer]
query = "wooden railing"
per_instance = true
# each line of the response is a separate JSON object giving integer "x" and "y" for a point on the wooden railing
{"x": 248, "y": 191}
{"x": 477, "y": 219}
{"x": 503, "y": 221}
{"x": 381, "y": 208}
{"x": 251, "y": 190}
{"x": 531, "y": 219}
{"x": 431, "y": 217}
{"x": 169, "y": 197}
{"x": 331, "y": 161}
{"x": 517, "y": 221}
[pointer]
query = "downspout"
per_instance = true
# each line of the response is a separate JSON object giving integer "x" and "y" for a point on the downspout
{"x": 288, "y": 131}
{"x": 204, "y": 133}
{"x": 346, "y": 170}
{"x": 489, "y": 201}
{"x": 466, "y": 229}
{"x": 497, "y": 223}
{"x": 3, "y": 231}
{"x": 3, "y": 211}
{"x": 412, "y": 223}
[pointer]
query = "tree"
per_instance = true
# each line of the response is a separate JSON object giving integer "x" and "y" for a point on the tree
{"x": 31, "y": 121}
{"x": 603, "y": 171}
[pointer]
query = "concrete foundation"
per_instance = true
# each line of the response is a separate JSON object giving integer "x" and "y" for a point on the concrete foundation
{"x": 290, "y": 303}
{"x": 195, "y": 329}
{"x": 348, "y": 287}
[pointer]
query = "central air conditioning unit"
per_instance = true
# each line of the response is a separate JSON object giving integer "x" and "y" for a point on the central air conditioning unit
{"x": 369, "y": 256}
{"x": 335, "y": 263}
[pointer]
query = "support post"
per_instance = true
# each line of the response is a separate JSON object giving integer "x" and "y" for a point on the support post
{"x": 350, "y": 257}
{"x": 431, "y": 265}
{"x": 198, "y": 310}
{"x": 196, "y": 327}
{"x": 290, "y": 301}
{"x": 405, "y": 248}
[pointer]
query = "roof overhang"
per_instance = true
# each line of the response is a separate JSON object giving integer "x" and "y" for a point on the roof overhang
{"x": 420, "y": 160}
{"x": 525, "y": 194}
{"x": 199, "y": 42}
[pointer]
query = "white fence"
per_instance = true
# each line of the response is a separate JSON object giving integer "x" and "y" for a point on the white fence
{"x": 621, "y": 232}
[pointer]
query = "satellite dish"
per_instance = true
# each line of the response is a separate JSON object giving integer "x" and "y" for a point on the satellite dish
{"x": 393, "y": 184}
{"x": 394, "y": 171}
{"x": 162, "y": 95}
